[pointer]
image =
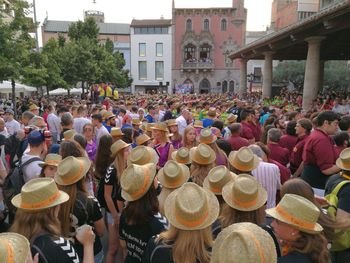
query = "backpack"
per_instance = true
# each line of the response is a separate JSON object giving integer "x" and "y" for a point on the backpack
{"x": 13, "y": 183}
{"x": 342, "y": 242}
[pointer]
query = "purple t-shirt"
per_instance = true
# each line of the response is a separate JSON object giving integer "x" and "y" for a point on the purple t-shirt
{"x": 91, "y": 150}
{"x": 163, "y": 153}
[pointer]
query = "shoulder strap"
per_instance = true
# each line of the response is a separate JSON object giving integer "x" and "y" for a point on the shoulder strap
{"x": 34, "y": 159}
{"x": 339, "y": 186}
{"x": 41, "y": 254}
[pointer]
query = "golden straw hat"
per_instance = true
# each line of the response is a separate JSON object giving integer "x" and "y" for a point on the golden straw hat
{"x": 217, "y": 178}
{"x": 109, "y": 115}
{"x": 198, "y": 124}
{"x": 136, "y": 180}
{"x": 182, "y": 155}
{"x": 51, "y": 159}
{"x": 298, "y": 212}
{"x": 143, "y": 155}
{"x": 117, "y": 146}
{"x": 244, "y": 159}
{"x": 103, "y": 113}
{"x": 206, "y": 136}
{"x": 173, "y": 174}
{"x": 136, "y": 122}
{"x": 116, "y": 132}
{"x": 71, "y": 170}
{"x": 191, "y": 207}
{"x": 141, "y": 139}
{"x": 343, "y": 162}
{"x": 212, "y": 112}
{"x": 14, "y": 248}
{"x": 149, "y": 127}
{"x": 38, "y": 194}
{"x": 161, "y": 126}
{"x": 231, "y": 118}
{"x": 244, "y": 193}
{"x": 202, "y": 154}
{"x": 244, "y": 242}
{"x": 68, "y": 135}
{"x": 33, "y": 107}
{"x": 171, "y": 122}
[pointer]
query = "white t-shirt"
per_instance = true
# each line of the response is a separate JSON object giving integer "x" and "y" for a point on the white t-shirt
{"x": 54, "y": 124}
{"x": 12, "y": 126}
{"x": 31, "y": 170}
{"x": 79, "y": 123}
{"x": 99, "y": 133}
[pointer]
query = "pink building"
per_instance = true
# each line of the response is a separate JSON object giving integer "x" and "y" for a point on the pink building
{"x": 202, "y": 40}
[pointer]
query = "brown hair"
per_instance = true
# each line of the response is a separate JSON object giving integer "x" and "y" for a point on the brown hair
{"x": 188, "y": 246}
{"x": 103, "y": 156}
{"x": 120, "y": 162}
{"x": 186, "y": 143}
{"x": 176, "y": 135}
{"x": 200, "y": 171}
{"x": 71, "y": 148}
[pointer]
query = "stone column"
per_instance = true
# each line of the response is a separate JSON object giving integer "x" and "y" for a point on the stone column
{"x": 267, "y": 75}
{"x": 312, "y": 71}
{"x": 243, "y": 80}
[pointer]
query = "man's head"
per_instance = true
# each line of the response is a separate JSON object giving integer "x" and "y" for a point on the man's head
{"x": 246, "y": 115}
{"x": 9, "y": 115}
{"x": 304, "y": 126}
{"x": 274, "y": 135}
{"x": 258, "y": 152}
{"x": 38, "y": 121}
{"x": 67, "y": 120}
{"x": 235, "y": 128}
{"x": 328, "y": 121}
{"x": 34, "y": 109}
{"x": 151, "y": 110}
{"x": 96, "y": 119}
{"x": 344, "y": 123}
{"x": 80, "y": 111}
{"x": 36, "y": 140}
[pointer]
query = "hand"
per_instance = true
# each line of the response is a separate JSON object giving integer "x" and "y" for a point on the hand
{"x": 34, "y": 260}
{"x": 116, "y": 221}
{"x": 85, "y": 235}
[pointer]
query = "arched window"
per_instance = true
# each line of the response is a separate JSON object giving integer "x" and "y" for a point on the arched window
{"x": 189, "y": 53}
{"x": 224, "y": 86}
{"x": 189, "y": 25}
{"x": 204, "y": 86}
{"x": 206, "y": 24}
{"x": 223, "y": 25}
{"x": 232, "y": 86}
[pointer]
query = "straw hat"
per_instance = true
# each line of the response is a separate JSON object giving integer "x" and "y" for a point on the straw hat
{"x": 117, "y": 146}
{"x": 217, "y": 178}
{"x": 343, "y": 162}
{"x": 142, "y": 155}
{"x": 109, "y": 115}
{"x": 244, "y": 159}
{"x": 244, "y": 193}
{"x": 231, "y": 118}
{"x": 244, "y": 242}
{"x": 71, "y": 170}
{"x": 103, "y": 113}
{"x": 33, "y": 107}
{"x": 136, "y": 122}
{"x": 171, "y": 122}
{"x": 161, "y": 126}
{"x": 38, "y": 194}
{"x": 141, "y": 139}
{"x": 149, "y": 127}
{"x": 116, "y": 132}
{"x": 173, "y": 174}
{"x": 212, "y": 112}
{"x": 136, "y": 180}
{"x": 68, "y": 135}
{"x": 206, "y": 136}
{"x": 202, "y": 154}
{"x": 182, "y": 155}
{"x": 298, "y": 212}
{"x": 14, "y": 248}
{"x": 191, "y": 207}
{"x": 198, "y": 124}
{"x": 51, "y": 159}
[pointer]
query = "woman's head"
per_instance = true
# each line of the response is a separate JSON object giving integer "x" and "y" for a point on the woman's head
{"x": 189, "y": 136}
{"x": 88, "y": 131}
{"x": 71, "y": 148}
{"x": 49, "y": 167}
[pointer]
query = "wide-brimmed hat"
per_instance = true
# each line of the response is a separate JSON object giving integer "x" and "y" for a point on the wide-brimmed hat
{"x": 141, "y": 139}
{"x": 217, "y": 178}
{"x": 244, "y": 242}
{"x": 68, "y": 135}
{"x": 171, "y": 122}
{"x": 33, "y": 107}
{"x": 182, "y": 155}
{"x": 202, "y": 154}
{"x": 39, "y": 194}
{"x": 51, "y": 159}
{"x": 71, "y": 170}
{"x": 198, "y": 124}
{"x": 298, "y": 212}
{"x": 143, "y": 155}
{"x": 117, "y": 146}
{"x": 116, "y": 132}
{"x": 206, "y": 136}
{"x": 136, "y": 122}
{"x": 343, "y": 162}
{"x": 161, "y": 126}
{"x": 14, "y": 248}
{"x": 231, "y": 118}
{"x": 173, "y": 174}
{"x": 212, "y": 112}
{"x": 149, "y": 127}
{"x": 244, "y": 193}
{"x": 191, "y": 207}
{"x": 109, "y": 115}
{"x": 136, "y": 180}
{"x": 244, "y": 159}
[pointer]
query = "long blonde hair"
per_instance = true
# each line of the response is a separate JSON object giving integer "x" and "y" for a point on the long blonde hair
{"x": 176, "y": 135}
{"x": 32, "y": 223}
{"x": 199, "y": 172}
{"x": 188, "y": 246}
{"x": 185, "y": 142}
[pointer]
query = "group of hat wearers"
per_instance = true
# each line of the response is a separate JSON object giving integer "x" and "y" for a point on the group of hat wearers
{"x": 195, "y": 185}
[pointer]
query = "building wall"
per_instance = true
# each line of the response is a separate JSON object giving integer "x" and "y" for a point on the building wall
{"x": 150, "y": 40}
{"x": 284, "y": 13}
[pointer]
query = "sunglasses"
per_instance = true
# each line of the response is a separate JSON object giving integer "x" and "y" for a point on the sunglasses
{"x": 87, "y": 129}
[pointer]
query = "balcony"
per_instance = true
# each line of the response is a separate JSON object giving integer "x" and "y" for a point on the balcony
{"x": 197, "y": 65}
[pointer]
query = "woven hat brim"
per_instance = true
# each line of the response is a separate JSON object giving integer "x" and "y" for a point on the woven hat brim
{"x": 273, "y": 213}
{"x": 155, "y": 159}
{"x": 173, "y": 156}
{"x": 339, "y": 163}
{"x": 195, "y": 159}
{"x": 129, "y": 198}
{"x": 120, "y": 148}
{"x": 20, "y": 244}
{"x": 206, "y": 184}
{"x": 228, "y": 197}
{"x": 51, "y": 164}
{"x": 17, "y": 200}
{"x": 255, "y": 164}
{"x": 184, "y": 179}
{"x": 86, "y": 165}
{"x": 214, "y": 139}
{"x": 159, "y": 129}
{"x": 213, "y": 209}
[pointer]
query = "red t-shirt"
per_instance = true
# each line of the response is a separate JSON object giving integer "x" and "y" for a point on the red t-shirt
{"x": 288, "y": 141}
{"x": 296, "y": 156}
{"x": 237, "y": 142}
{"x": 246, "y": 131}
{"x": 278, "y": 153}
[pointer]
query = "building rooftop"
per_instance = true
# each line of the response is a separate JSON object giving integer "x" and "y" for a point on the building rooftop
{"x": 105, "y": 28}
{"x": 150, "y": 22}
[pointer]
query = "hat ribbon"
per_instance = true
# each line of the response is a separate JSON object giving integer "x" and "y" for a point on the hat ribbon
{"x": 68, "y": 180}
{"x": 257, "y": 244}
{"x": 52, "y": 162}
{"x": 244, "y": 204}
{"x": 144, "y": 186}
{"x": 10, "y": 253}
{"x": 192, "y": 223}
{"x": 241, "y": 166}
{"x": 41, "y": 204}
{"x": 208, "y": 139}
{"x": 215, "y": 189}
{"x": 174, "y": 182}
{"x": 345, "y": 165}
{"x": 294, "y": 220}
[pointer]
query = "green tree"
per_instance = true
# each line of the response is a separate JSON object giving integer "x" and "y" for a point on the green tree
{"x": 88, "y": 29}
{"x": 290, "y": 71}
{"x": 336, "y": 75}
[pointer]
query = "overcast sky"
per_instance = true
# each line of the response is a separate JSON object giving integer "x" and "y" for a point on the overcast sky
{"x": 123, "y": 11}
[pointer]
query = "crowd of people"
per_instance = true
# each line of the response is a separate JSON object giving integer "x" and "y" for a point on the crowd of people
{"x": 175, "y": 179}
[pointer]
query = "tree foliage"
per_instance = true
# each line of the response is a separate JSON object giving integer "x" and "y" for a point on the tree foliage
{"x": 290, "y": 71}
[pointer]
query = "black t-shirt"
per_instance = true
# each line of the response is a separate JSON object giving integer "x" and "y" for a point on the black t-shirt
{"x": 53, "y": 249}
{"x": 137, "y": 236}
{"x": 110, "y": 179}
{"x": 343, "y": 194}
{"x": 295, "y": 257}
{"x": 86, "y": 211}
